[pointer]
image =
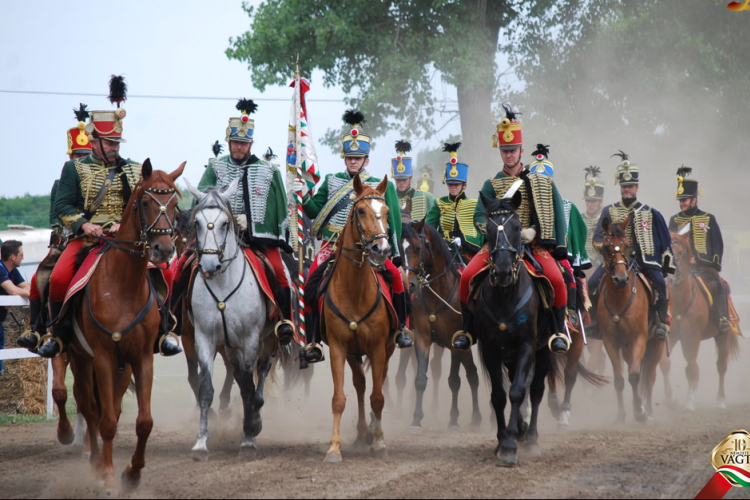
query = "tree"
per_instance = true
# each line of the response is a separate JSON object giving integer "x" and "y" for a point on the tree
{"x": 391, "y": 53}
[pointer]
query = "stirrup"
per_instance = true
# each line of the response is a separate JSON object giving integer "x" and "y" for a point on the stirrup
{"x": 559, "y": 336}
{"x": 725, "y": 326}
{"x": 284, "y": 340}
{"x": 408, "y": 334}
{"x": 30, "y": 337}
{"x": 45, "y": 338}
{"x": 163, "y": 338}
{"x": 459, "y": 333}
{"x": 309, "y": 348}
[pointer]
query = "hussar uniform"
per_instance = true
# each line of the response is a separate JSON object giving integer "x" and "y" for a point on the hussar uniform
{"x": 414, "y": 204}
{"x": 453, "y": 216}
{"x": 593, "y": 191}
{"x": 706, "y": 242}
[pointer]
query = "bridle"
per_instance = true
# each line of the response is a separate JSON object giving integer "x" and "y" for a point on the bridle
{"x": 363, "y": 245}
{"x": 610, "y": 264}
{"x": 219, "y": 247}
{"x": 506, "y": 215}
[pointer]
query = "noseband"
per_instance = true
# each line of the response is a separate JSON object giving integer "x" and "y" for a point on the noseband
{"x": 201, "y": 249}
{"x": 363, "y": 245}
{"x": 618, "y": 250}
{"x": 505, "y": 247}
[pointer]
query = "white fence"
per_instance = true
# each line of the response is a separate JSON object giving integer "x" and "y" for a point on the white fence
{"x": 20, "y": 353}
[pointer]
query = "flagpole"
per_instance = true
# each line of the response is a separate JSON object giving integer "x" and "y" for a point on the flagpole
{"x": 300, "y": 212}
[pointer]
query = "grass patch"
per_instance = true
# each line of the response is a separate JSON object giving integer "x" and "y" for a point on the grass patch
{"x": 6, "y": 419}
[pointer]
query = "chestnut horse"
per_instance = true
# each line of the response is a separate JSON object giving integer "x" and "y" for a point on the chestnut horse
{"x": 355, "y": 315}
{"x": 624, "y": 313}
{"x": 692, "y": 322}
{"x": 117, "y": 323}
{"x": 433, "y": 277}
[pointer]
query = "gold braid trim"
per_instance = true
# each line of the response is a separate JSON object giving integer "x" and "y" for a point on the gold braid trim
{"x": 544, "y": 203}
{"x": 501, "y": 186}
{"x": 700, "y": 233}
{"x": 465, "y": 216}
{"x": 643, "y": 225}
{"x": 418, "y": 207}
{"x": 447, "y": 215}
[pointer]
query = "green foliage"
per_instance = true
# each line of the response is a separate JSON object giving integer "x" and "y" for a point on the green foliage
{"x": 27, "y": 209}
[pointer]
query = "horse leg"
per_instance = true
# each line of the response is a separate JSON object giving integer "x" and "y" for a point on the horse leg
{"x": 403, "y": 365}
{"x": 206, "y": 352}
{"x": 251, "y": 426}
{"x": 226, "y": 389}
{"x": 665, "y": 365}
{"x": 454, "y": 383}
{"x": 104, "y": 370}
{"x": 634, "y": 356}
{"x": 143, "y": 372}
{"x": 65, "y": 432}
{"x": 571, "y": 376}
{"x": 690, "y": 346}
{"x": 723, "y": 348}
{"x": 472, "y": 376}
{"x": 420, "y": 383}
{"x": 338, "y": 403}
{"x": 614, "y": 356}
{"x": 363, "y": 440}
{"x": 436, "y": 369}
{"x": 536, "y": 395}
{"x": 506, "y": 447}
{"x": 191, "y": 357}
{"x": 379, "y": 369}
{"x": 519, "y": 385}
{"x": 83, "y": 392}
{"x": 654, "y": 354}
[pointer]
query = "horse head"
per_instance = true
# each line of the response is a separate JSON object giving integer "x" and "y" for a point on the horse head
{"x": 154, "y": 204}
{"x": 214, "y": 228}
{"x": 504, "y": 237}
{"x": 369, "y": 218}
{"x": 683, "y": 254}
{"x": 615, "y": 250}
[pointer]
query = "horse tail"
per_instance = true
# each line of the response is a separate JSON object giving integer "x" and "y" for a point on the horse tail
{"x": 556, "y": 371}
{"x": 592, "y": 378}
{"x": 734, "y": 346}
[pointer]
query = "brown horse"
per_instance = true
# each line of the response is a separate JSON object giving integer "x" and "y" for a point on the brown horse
{"x": 623, "y": 314}
{"x": 117, "y": 323}
{"x": 355, "y": 315}
{"x": 692, "y": 322}
{"x": 433, "y": 278}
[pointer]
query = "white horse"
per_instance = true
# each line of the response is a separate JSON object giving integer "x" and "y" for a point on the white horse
{"x": 228, "y": 308}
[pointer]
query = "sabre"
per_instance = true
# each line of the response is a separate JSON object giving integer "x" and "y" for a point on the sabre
{"x": 583, "y": 329}
{"x": 567, "y": 332}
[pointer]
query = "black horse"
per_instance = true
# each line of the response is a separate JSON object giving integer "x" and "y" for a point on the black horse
{"x": 508, "y": 316}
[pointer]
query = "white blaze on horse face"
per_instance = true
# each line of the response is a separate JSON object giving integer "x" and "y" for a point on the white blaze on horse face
{"x": 377, "y": 207}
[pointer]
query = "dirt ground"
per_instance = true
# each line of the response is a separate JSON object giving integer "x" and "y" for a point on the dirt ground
{"x": 594, "y": 458}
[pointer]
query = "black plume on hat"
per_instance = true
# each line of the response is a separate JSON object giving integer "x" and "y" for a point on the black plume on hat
{"x": 81, "y": 113}
{"x": 217, "y": 148}
{"x": 684, "y": 171}
{"x": 118, "y": 89}
{"x": 268, "y": 155}
{"x": 624, "y": 156}
{"x": 592, "y": 171}
{"x": 403, "y": 146}
{"x": 354, "y": 117}
{"x": 509, "y": 113}
{"x": 541, "y": 149}
{"x": 247, "y": 105}
{"x": 451, "y": 147}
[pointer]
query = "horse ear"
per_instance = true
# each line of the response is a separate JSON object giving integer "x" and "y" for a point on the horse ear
{"x": 517, "y": 199}
{"x": 357, "y": 184}
{"x": 383, "y": 186}
{"x": 177, "y": 173}
{"x": 624, "y": 224}
{"x": 147, "y": 169}
{"x": 606, "y": 224}
{"x": 420, "y": 225}
{"x": 194, "y": 191}
{"x": 485, "y": 200}
{"x": 230, "y": 191}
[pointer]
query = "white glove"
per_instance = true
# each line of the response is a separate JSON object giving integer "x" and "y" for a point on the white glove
{"x": 528, "y": 235}
{"x": 457, "y": 242}
{"x": 300, "y": 185}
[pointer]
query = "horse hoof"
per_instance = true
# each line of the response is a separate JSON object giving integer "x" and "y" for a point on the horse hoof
{"x": 721, "y": 404}
{"x": 66, "y": 437}
{"x": 225, "y": 414}
{"x": 248, "y": 452}
{"x": 563, "y": 427}
{"x": 641, "y": 416}
{"x": 690, "y": 407}
{"x": 128, "y": 485}
{"x": 507, "y": 458}
{"x": 332, "y": 458}
{"x": 110, "y": 493}
{"x": 380, "y": 454}
{"x": 531, "y": 450}
{"x": 86, "y": 455}
{"x": 199, "y": 455}
{"x": 454, "y": 428}
{"x": 415, "y": 430}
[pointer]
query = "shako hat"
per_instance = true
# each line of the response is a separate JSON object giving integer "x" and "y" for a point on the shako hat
{"x": 627, "y": 172}
{"x": 455, "y": 172}
{"x": 593, "y": 188}
{"x": 508, "y": 132}
{"x": 686, "y": 188}
{"x": 241, "y": 128}
{"x": 78, "y": 139}
{"x": 108, "y": 124}
{"x": 355, "y": 143}
{"x": 401, "y": 165}
{"x": 541, "y": 164}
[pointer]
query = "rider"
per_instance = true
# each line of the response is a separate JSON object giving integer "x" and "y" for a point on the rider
{"x": 79, "y": 146}
{"x": 329, "y": 208}
{"x": 705, "y": 239}
{"x": 578, "y": 257}
{"x": 90, "y": 199}
{"x": 453, "y": 215}
{"x": 542, "y": 218}
{"x": 593, "y": 194}
{"x": 259, "y": 205}
{"x": 415, "y": 204}
{"x": 648, "y": 236}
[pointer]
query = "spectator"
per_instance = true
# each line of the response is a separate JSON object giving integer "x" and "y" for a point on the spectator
{"x": 11, "y": 281}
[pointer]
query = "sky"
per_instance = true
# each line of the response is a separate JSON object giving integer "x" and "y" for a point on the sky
{"x": 163, "y": 48}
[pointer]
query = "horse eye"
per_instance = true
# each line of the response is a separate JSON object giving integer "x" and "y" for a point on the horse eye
{"x": 361, "y": 211}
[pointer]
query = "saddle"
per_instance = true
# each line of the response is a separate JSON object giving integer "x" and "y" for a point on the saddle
{"x": 534, "y": 269}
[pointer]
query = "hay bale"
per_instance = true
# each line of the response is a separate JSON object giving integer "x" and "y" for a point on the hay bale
{"x": 23, "y": 388}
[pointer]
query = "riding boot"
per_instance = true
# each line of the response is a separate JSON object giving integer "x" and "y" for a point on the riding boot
{"x": 32, "y": 339}
{"x": 573, "y": 306}
{"x": 285, "y": 328}
{"x": 313, "y": 352}
{"x": 62, "y": 333}
{"x": 168, "y": 343}
{"x": 722, "y": 304}
{"x": 463, "y": 339}
{"x": 662, "y": 328}
{"x": 559, "y": 342}
{"x": 403, "y": 335}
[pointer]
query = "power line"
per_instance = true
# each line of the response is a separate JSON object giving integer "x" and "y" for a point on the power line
{"x": 191, "y": 98}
